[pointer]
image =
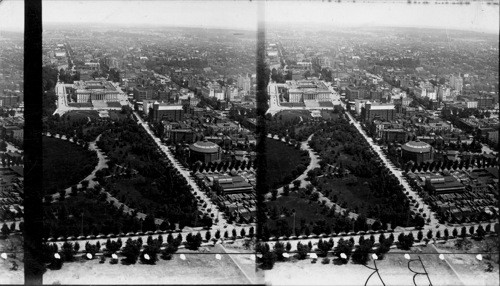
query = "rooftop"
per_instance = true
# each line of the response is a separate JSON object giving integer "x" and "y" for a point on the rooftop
{"x": 416, "y": 146}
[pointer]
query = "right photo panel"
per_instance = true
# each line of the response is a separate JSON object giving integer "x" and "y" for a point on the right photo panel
{"x": 379, "y": 121}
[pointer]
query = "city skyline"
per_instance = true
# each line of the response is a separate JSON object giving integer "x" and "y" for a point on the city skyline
{"x": 242, "y": 15}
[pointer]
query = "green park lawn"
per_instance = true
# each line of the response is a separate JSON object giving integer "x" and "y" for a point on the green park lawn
{"x": 76, "y": 115}
{"x": 64, "y": 164}
{"x": 305, "y": 210}
{"x": 355, "y": 194}
{"x": 282, "y": 160}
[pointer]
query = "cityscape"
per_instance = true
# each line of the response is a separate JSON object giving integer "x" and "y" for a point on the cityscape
{"x": 218, "y": 144}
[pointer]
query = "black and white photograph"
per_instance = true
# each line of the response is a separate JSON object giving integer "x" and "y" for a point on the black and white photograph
{"x": 245, "y": 142}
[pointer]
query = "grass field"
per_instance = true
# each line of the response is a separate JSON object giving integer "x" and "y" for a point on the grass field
{"x": 282, "y": 160}
{"x": 127, "y": 193}
{"x": 354, "y": 195}
{"x": 76, "y": 115}
{"x": 288, "y": 115}
{"x": 304, "y": 210}
{"x": 89, "y": 213}
{"x": 197, "y": 269}
{"x": 64, "y": 164}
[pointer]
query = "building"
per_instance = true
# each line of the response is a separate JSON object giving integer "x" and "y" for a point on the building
{"x": 92, "y": 66}
{"x": 245, "y": 83}
{"x": 205, "y": 152}
{"x": 13, "y": 132}
{"x": 9, "y": 100}
{"x": 300, "y": 90}
{"x": 470, "y": 104}
{"x": 142, "y": 93}
{"x": 416, "y": 151}
{"x": 180, "y": 135}
{"x": 384, "y": 112}
{"x": 437, "y": 185}
{"x": 96, "y": 90}
{"x": 457, "y": 83}
{"x": 165, "y": 111}
{"x": 231, "y": 185}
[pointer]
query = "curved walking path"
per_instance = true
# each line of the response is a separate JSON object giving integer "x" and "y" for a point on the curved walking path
{"x": 314, "y": 163}
{"x": 102, "y": 163}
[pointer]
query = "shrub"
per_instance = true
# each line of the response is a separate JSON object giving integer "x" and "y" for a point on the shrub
{"x": 131, "y": 251}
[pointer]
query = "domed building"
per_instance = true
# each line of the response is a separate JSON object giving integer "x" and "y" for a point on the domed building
{"x": 416, "y": 151}
{"x": 204, "y": 151}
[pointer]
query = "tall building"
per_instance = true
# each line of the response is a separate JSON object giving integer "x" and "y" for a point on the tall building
{"x": 457, "y": 82}
{"x": 244, "y": 83}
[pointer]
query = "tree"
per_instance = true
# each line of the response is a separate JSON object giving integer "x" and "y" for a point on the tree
{"x": 149, "y": 223}
{"x": 68, "y": 251}
{"x": 208, "y": 235}
{"x": 454, "y": 232}
{"x": 480, "y": 232}
{"x": 13, "y": 227}
{"x": 302, "y": 250}
{"x": 152, "y": 251}
{"x": 131, "y": 251}
{"x": 234, "y": 233}
{"x": 324, "y": 247}
{"x": 362, "y": 252}
{"x": 381, "y": 238}
{"x": 406, "y": 242}
{"x": 217, "y": 234}
{"x": 268, "y": 259}
{"x": 279, "y": 249}
{"x": 463, "y": 232}
{"x": 274, "y": 194}
{"x": 207, "y": 222}
{"x": 429, "y": 234}
{"x": 419, "y": 221}
{"x": 5, "y": 230}
{"x": 344, "y": 246}
{"x": 420, "y": 235}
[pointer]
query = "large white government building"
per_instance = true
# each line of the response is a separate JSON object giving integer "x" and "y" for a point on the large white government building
{"x": 96, "y": 90}
{"x": 302, "y": 90}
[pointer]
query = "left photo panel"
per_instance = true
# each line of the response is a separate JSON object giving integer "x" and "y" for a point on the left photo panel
{"x": 148, "y": 142}
{"x": 11, "y": 142}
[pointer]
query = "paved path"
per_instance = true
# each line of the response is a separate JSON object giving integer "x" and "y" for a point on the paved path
{"x": 397, "y": 172}
{"x": 244, "y": 263}
{"x": 396, "y": 233}
{"x": 144, "y": 237}
{"x": 220, "y": 220}
{"x": 102, "y": 163}
{"x": 314, "y": 163}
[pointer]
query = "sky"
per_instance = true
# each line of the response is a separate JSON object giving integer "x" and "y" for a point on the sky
{"x": 243, "y": 14}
